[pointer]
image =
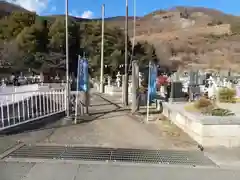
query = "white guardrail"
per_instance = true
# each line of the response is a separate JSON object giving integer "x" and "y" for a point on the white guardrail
{"x": 25, "y": 106}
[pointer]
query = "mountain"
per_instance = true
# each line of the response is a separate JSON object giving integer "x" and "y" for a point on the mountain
{"x": 226, "y": 18}
{"x": 191, "y": 37}
{"x": 187, "y": 37}
{"x": 7, "y": 8}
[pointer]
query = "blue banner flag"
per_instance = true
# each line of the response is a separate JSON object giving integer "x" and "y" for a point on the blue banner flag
{"x": 83, "y": 80}
{"x": 152, "y": 89}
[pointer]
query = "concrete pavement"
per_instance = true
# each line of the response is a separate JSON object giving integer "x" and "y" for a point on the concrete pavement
{"x": 111, "y": 127}
{"x": 108, "y": 171}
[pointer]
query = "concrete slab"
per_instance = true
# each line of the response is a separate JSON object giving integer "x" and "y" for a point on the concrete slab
{"x": 6, "y": 143}
{"x": 14, "y": 170}
{"x": 224, "y": 157}
{"x": 109, "y": 171}
{"x": 115, "y": 128}
{"x": 154, "y": 173}
{"x": 48, "y": 171}
{"x": 32, "y": 136}
{"x": 112, "y": 128}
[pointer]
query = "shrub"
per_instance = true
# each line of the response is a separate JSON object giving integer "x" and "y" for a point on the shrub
{"x": 217, "y": 112}
{"x": 215, "y": 22}
{"x": 221, "y": 112}
{"x": 202, "y": 103}
{"x": 142, "y": 89}
{"x": 162, "y": 80}
{"x": 207, "y": 110}
{"x": 227, "y": 95}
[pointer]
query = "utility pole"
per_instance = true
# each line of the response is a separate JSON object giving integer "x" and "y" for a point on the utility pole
{"x": 134, "y": 23}
{"x": 126, "y": 57}
{"x": 102, "y": 52}
{"x": 67, "y": 61}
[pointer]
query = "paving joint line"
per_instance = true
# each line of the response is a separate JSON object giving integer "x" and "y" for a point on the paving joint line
{"x": 131, "y": 115}
{"x": 11, "y": 150}
{"x": 109, "y": 101}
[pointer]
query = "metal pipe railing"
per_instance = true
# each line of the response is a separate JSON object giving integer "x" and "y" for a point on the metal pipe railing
{"x": 21, "y": 107}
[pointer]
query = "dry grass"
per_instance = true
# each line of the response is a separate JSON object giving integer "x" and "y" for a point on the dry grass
{"x": 237, "y": 100}
{"x": 173, "y": 134}
{"x": 168, "y": 128}
{"x": 191, "y": 108}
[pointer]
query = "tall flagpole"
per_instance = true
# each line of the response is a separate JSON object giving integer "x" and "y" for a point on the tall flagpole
{"x": 126, "y": 58}
{"x": 67, "y": 61}
{"x": 102, "y": 51}
{"x": 134, "y": 21}
{"x": 77, "y": 95}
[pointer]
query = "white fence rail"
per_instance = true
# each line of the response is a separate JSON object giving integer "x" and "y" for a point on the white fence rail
{"x": 22, "y": 107}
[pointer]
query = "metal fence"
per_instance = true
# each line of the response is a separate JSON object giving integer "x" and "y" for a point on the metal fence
{"x": 22, "y": 107}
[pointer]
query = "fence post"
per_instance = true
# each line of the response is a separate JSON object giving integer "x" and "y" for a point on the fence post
{"x": 65, "y": 99}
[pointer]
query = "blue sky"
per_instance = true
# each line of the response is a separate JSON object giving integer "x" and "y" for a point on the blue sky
{"x": 92, "y": 8}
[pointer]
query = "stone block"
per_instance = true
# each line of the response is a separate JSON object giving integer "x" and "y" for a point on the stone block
{"x": 108, "y": 89}
{"x": 208, "y": 131}
{"x": 176, "y": 93}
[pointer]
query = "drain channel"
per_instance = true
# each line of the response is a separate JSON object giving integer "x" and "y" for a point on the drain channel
{"x": 193, "y": 158}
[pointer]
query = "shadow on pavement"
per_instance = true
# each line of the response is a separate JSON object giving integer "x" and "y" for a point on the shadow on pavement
{"x": 110, "y": 102}
{"x": 57, "y": 121}
{"x": 34, "y": 125}
{"x": 60, "y": 121}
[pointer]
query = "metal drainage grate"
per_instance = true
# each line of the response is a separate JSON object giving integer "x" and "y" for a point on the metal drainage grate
{"x": 195, "y": 158}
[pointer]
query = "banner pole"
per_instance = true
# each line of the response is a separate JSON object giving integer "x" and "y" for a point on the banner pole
{"x": 148, "y": 95}
{"x": 77, "y": 89}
